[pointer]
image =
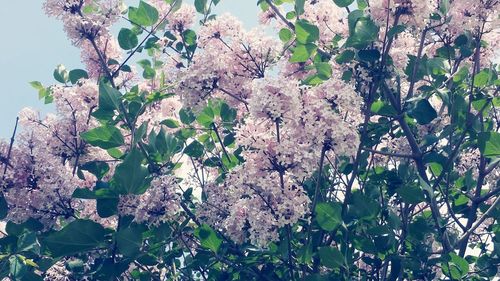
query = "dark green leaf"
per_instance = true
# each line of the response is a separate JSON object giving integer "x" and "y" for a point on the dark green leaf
{"x": 129, "y": 241}
{"x": 61, "y": 74}
{"x": 299, "y": 7}
{"x": 343, "y": 3}
{"x": 77, "y": 237}
{"x": 424, "y": 113}
{"x": 107, "y": 207}
{"x": 77, "y": 74}
{"x": 17, "y": 267}
{"x": 4, "y": 207}
{"x": 201, "y": 6}
{"x": 187, "y": 116}
{"x": 127, "y": 39}
{"x": 365, "y": 31}
{"x": 345, "y": 57}
{"x": 331, "y": 257}
{"x": 194, "y": 149}
{"x": 109, "y": 98}
{"x": 411, "y": 194}
{"x": 130, "y": 175}
{"x": 171, "y": 123}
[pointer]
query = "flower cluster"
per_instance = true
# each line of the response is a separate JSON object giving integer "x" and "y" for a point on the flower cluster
{"x": 157, "y": 205}
{"x": 265, "y": 193}
{"x": 415, "y": 13}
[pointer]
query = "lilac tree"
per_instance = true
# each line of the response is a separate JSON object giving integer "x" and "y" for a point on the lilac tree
{"x": 338, "y": 140}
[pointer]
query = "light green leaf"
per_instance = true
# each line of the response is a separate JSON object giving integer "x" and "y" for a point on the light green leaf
{"x": 145, "y": 14}
{"x": 209, "y": 239}
{"x": 105, "y": 137}
{"x": 328, "y": 215}
{"x": 306, "y": 32}
{"x": 285, "y": 35}
{"x": 489, "y": 144}
{"x": 301, "y": 53}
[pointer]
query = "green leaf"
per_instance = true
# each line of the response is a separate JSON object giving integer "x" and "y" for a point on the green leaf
{"x": 189, "y": 37}
{"x": 455, "y": 266}
{"x": 381, "y": 108}
{"x": 4, "y": 207}
{"x": 227, "y": 113}
{"x": 97, "y": 168}
{"x": 61, "y": 74}
{"x": 365, "y": 31}
{"x": 324, "y": 70}
{"x": 145, "y": 14}
{"x": 331, "y": 257}
{"x": 187, "y": 116}
{"x": 208, "y": 238}
{"x": 27, "y": 242}
{"x": 127, "y": 39}
{"x": 17, "y": 267}
{"x": 343, "y": 3}
{"x": 76, "y": 238}
{"x": 299, "y": 6}
{"x": 306, "y": 32}
{"x": 105, "y": 137}
{"x": 77, "y": 74}
{"x": 107, "y": 207}
{"x": 206, "y": 117}
{"x": 396, "y": 30}
{"x": 424, "y": 113}
{"x": 201, "y": 6}
{"x": 362, "y": 4}
{"x": 129, "y": 241}
{"x": 109, "y": 97}
{"x": 130, "y": 175}
{"x": 369, "y": 55}
{"x": 171, "y": 123}
{"x": 328, "y": 215}
{"x": 363, "y": 207}
{"x": 301, "y": 53}
{"x": 411, "y": 194}
{"x": 483, "y": 78}
{"x": 345, "y": 57}
{"x": 444, "y": 6}
{"x": 489, "y": 144}
{"x": 194, "y": 149}
{"x": 285, "y": 35}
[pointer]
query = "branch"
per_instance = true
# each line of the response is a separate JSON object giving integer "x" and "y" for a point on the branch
{"x": 10, "y": 150}
{"x": 478, "y": 223}
{"x": 400, "y": 155}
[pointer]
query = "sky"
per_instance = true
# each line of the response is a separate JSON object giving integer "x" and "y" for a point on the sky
{"x": 35, "y": 45}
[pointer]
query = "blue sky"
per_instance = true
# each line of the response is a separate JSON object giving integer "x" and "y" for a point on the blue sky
{"x": 33, "y": 45}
